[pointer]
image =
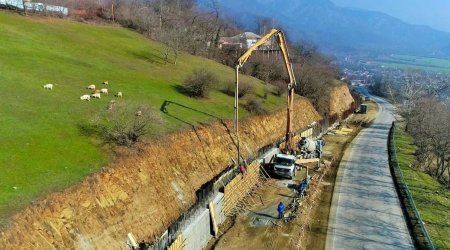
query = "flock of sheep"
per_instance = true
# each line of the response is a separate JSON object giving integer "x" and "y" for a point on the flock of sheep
{"x": 96, "y": 93}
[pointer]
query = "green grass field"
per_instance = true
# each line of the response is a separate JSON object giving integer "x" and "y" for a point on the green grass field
{"x": 415, "y": 62}
{"x": 431, "y": 198}
{"x": 41, "y": 146}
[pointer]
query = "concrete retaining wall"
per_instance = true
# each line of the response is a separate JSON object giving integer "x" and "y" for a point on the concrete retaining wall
{"x": 218, "y": 208}
{"x": 198, "y": 233}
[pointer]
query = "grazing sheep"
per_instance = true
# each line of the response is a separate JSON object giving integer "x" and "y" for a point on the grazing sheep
{"x": 48, "y": 86}
{"x": 106, "y": 83}
{"x": 92, "y": 86}
{"x": 119, "y": 94}
{"x": 104, "y": 91}
{"x": 139, "y": 113}
{"x": 97, "y": 91}
{"x": 85, "y": 98}
{"x": 97, "y": 95}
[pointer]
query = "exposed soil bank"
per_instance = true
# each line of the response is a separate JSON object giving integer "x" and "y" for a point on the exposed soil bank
{"x": 145, "y": 192}
{"x": 340, "y": 99}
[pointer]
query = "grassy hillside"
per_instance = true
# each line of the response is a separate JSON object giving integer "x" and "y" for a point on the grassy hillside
{"x": 41, "y": 146}
{"x": 431, "y": 198}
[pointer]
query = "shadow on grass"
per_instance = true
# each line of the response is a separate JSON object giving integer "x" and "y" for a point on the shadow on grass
{"x": 91, "y": 129}
{"x": 164, "y": 109}
{"x": 182, "y": 90}
{"x": 148, "y": 56}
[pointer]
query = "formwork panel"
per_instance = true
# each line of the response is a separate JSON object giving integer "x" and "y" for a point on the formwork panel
{"x": 240, "y": 187}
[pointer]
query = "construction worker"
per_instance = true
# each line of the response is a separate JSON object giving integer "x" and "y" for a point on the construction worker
{"x": 143, "y": 245}
{"x": 281, "y": 208}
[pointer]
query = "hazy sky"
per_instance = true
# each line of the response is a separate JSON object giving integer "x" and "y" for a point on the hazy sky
{"x": 434, "y": 13}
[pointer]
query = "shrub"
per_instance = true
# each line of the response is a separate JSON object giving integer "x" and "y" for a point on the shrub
{"x": 266, "y": 93}
{"x": 200, "y": 83}
{"x": 245, "y": 88}
{"x": 254, "y": 106}
{"x": 229, "y": 88}
{"x": 122, "y": 125}
{"x": 280, "y": 88}
{"x": 127, "y": 124}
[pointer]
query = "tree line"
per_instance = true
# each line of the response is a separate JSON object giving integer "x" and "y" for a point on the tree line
{"x": 427, "y": 120}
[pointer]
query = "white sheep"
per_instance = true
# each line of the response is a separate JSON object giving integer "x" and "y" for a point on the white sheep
{"x": 104, "y": 91}
{"x": 85, "y": 98}
{"x": 92, "y": 86}
{"x": 119, "y": 94}
{"x": 105, "y": 82}
{"x": 48, "y": 86}
{"x": 97, "y": 95}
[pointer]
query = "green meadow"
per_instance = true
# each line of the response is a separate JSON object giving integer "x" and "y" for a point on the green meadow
{"x": 41, "y": 146}
{"x": 415, "y": 62}
{"x": 432, "y": 199}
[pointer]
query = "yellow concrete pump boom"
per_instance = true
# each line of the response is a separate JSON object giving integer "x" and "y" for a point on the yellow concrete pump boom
{"x": 281, "y": 39}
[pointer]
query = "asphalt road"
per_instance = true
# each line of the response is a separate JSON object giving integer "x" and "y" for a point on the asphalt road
{"x": 365, "y": 211}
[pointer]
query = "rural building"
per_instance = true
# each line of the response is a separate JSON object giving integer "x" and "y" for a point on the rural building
{"x": 32, "y": 6}
{"x": 243, "y": 41}
{"x": 11, "y": 4}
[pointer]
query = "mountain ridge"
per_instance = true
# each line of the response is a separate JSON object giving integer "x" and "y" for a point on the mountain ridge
{"x": 340, "y": 30}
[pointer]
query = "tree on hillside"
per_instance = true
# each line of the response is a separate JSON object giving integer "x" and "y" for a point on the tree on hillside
{"x": 315, "y": 74}
{"x": 429, "y": 124}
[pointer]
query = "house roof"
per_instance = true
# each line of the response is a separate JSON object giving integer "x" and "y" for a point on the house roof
{"x": 250, "y": 35}
{"x": 240, "y": 38}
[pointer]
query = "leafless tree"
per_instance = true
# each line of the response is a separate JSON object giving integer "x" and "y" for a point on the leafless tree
{"x": 127, "y": 124}
{"x": 429, "y": 124}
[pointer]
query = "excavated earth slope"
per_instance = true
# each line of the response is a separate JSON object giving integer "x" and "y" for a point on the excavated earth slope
{"x": 143, "y": 193}
{"x": 340, "y": 99}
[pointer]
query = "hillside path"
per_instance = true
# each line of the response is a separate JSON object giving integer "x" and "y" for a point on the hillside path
{"x": 365, "y": 211}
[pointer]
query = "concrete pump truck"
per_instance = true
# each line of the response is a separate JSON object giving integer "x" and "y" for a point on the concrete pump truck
{"x": 284, "y": 164}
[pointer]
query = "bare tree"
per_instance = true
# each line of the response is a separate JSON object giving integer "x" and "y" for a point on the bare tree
{"x": 429, "y": 124}
{"x": 127, "y": 124}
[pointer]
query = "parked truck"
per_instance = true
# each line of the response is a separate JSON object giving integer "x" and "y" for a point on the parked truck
{"x": 285, "y": 165}
{"x": 310, "y": 149}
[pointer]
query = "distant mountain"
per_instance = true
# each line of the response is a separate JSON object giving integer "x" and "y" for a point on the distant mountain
{"x": 339, "y": 30}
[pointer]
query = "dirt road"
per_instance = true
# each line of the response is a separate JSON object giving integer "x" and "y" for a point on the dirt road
{"x": 259, "y": 227}
{"x": 366, "y": 212}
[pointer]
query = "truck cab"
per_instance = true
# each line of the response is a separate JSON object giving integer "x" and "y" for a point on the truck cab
{"x": 284, "y": 165}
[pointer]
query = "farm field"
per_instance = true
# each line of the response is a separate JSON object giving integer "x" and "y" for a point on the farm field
{"x": 431, "y": 198}
{"x": 41, "y": 146}
{"x": 415, "y": 62}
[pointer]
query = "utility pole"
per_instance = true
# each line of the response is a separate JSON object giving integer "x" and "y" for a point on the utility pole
{"x": 112, "y": 13}
{"x": 236, "y": 116}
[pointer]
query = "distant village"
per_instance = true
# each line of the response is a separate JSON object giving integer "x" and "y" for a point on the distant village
{"x": 366, "y": 73}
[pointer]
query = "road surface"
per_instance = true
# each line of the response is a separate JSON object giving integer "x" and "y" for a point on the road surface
{"x": 365, "y": 211}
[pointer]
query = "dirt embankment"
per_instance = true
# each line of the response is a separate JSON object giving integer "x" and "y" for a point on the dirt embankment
{"x": 145, "y": 192}
{"x": 340, "y": 99}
